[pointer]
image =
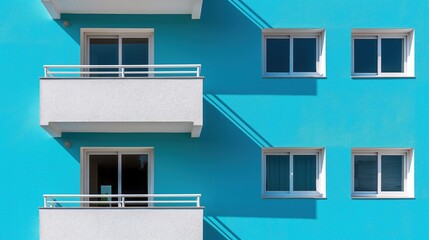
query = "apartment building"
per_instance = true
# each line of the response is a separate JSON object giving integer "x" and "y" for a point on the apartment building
{"x": 214, "y": 119}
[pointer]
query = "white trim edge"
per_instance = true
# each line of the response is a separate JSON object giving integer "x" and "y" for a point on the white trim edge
{"x": 52, "y": 10}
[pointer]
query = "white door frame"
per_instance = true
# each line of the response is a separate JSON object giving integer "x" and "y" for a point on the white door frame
{"x": 84, "y": 163}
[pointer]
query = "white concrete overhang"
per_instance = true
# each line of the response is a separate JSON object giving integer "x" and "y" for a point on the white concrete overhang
{"x": 57, "y": 7}
{"x": 121, "y": 105}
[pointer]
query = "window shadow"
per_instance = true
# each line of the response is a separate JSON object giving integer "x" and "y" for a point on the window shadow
{"x": 215, "y": 229}
{"x": 236, "y": 119}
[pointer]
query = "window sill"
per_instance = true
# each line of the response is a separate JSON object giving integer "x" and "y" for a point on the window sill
{"x": 319, "y": 196}
{"x": 381, "y": 77}
{"x": 380, "y": 197}
{"x": 295, "y": 76}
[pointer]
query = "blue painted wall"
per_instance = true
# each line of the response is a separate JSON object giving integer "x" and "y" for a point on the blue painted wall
{"x": 242, "y": 113}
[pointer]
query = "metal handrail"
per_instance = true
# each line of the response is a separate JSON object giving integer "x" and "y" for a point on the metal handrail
{"x": 123, "y": 70}
{"x": 52, "y": 200}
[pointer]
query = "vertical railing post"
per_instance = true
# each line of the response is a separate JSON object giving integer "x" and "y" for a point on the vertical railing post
{"x": 45, "y": 69}
{"x": 122, "y": 72}
{"x": 45, "y": 202}
{"x": 198, "y": 201}
{"x": 198, "y": 71}
{"x": 123, "y": 201}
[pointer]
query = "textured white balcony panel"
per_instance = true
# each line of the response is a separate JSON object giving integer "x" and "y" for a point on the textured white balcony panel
{"x": 116, "y": 223}
{"x": 121, "y": 105}
{"x": 57, "y": 7}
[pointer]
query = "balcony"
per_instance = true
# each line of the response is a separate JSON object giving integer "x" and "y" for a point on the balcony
{"x": 166, "y": 216}
{"x": 57, "y": 7}
{"x": 122, "y": 99}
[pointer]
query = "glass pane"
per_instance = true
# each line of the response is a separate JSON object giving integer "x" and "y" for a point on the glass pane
{"x": 278, "y": 52}
{"x": 104, "y": 51}
{"x": 392, "y": 55}
{"x": 135, "y": 176}
{"x": 365, "y": 55}
{"x": 392, "y": 169}
{"x": 304, "y": 172}
{"x": 365, "y": 173}
{"x": 135, "y": 51}
{"x": 277, "y": 172}
{"x": 103, "y": 177}
{"x": 304, "y": 54}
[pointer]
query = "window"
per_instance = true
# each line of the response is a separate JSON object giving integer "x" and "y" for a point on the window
{"x": 117, "y": 171}
{"x": 117, "y": 47}
{"x": 289, "y": 173}
{"x": 383, "y": 173}
{"x": 293, "y": 52}
{"x": 383, "y": 53}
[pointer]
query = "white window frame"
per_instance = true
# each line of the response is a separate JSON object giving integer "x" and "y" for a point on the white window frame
{"x": 85, "y": 152}
{"x": 320, "y": 174}
{"x": 379, "y": 34}
{"x": 120, "y": 33}
{"x": 291, "y": 34}
{"x": 408, "y": 179}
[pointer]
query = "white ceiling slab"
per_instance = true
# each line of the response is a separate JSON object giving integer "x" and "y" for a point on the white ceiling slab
{"x": 57, "y": 7}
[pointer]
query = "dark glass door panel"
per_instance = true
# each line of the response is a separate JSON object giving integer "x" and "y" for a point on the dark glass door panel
{"x": 135, "y": 51}
{"x": 104, "y": 51}
{"x": 103, "y": 177}
{"x": 135, "y": 176}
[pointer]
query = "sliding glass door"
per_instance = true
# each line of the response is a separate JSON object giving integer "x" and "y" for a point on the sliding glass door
{"x": 118, "y": 173}
{"x": 117, "y": 50}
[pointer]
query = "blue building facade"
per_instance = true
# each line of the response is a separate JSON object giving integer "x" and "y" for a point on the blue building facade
{"x": 246, "y": 116}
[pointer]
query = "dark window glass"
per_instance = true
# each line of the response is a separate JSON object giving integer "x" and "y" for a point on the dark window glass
{"x": 392, "y": 169}
{"x": 304, "y": 54}
{"x": 392, "y": 55}
{"x": 304, "y": 172}
{"x": 104, "y": 51}
{"x": 277, "y": 54}
{"x": 365, "y": 55}
{"x": 277, "y": 172}
{"x": 365, "y": 173}
{"x": 135, "y": 51}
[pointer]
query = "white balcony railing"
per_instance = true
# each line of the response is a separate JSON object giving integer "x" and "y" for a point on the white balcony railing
{"x": 121, "y": 216}
{"x": 121, "y": 200}
{"x": 122, "y": 71}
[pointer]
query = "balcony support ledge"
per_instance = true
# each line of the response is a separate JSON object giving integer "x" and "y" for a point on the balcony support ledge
{"x": 58, "y": 7}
